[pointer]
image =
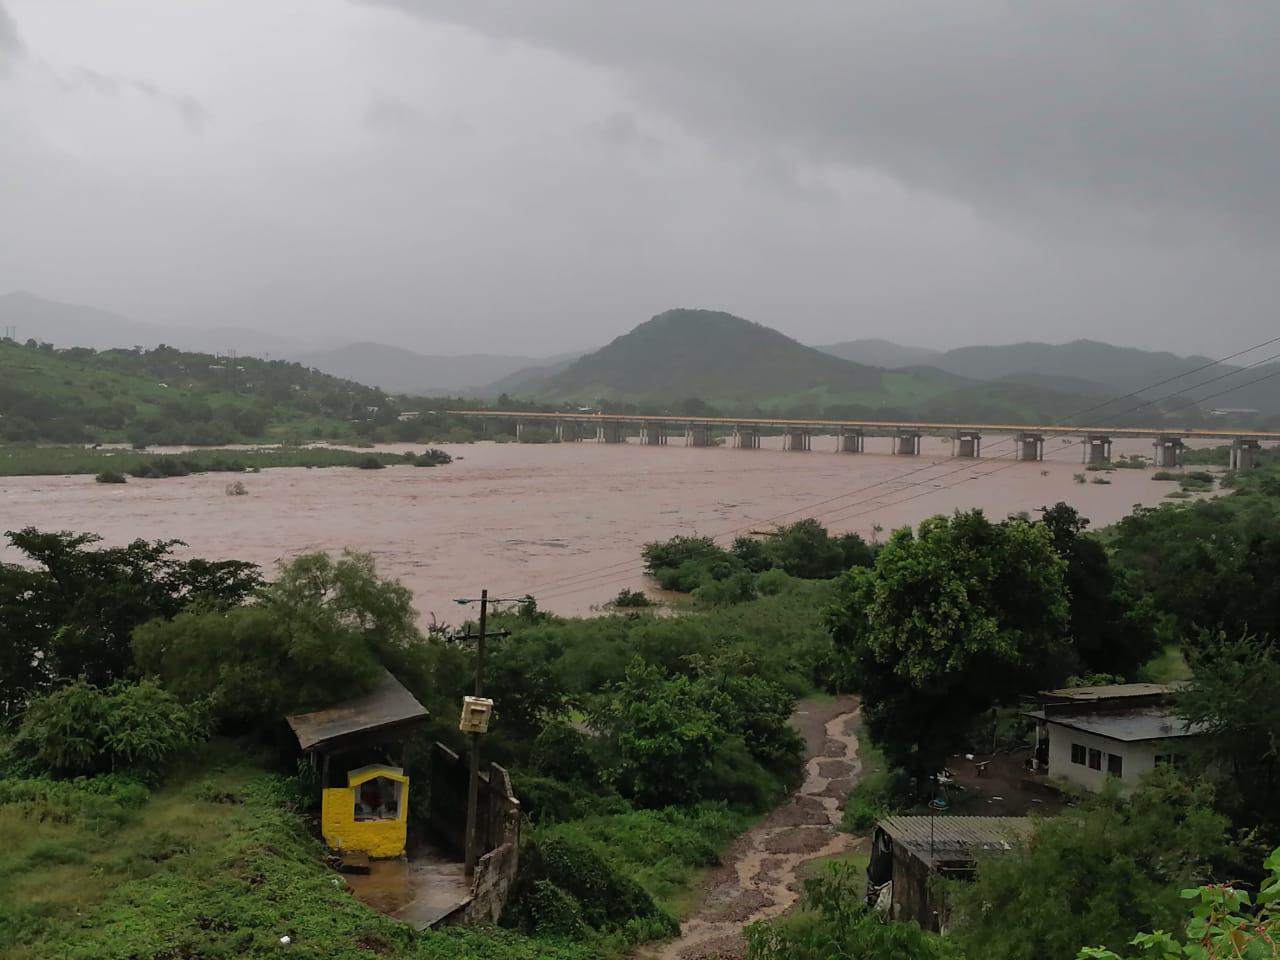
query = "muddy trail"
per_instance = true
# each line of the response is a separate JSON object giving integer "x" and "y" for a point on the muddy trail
{"x": 760, "y": 878}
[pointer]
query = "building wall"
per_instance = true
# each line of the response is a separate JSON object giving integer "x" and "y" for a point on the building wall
{"x": 1137, "y": 759}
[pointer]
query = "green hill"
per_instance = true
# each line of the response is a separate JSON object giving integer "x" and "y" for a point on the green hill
{"x": 728, "y": 362}
{"x": 164, "y": 396}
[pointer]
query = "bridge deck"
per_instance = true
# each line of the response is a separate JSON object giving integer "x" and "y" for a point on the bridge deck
{"x": 1224, "y": 433}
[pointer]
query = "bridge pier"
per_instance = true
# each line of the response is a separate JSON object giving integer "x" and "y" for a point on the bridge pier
{"x": 746, "y": 438}
{"x": 1030, "y": 446}
{"x": 851, "y": 441}
{"x": 653, "y": 434}
{"x": 907, "y": 443}
{"x": 698, "y": 435}
{"x": 1097, "y": 449}
{"x": 1168, "y": 451}
{"x": 968, "y": 444}
{"x": 797, "y": 439}
{"x": 610, "y": 431}
{"x": 1244, "y": 454}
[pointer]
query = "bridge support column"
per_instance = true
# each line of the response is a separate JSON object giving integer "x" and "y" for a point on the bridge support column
{"x": 850, "y": 441}
{"x": 522, "y": 428}
{"x": 797, "y": 439}
{"x": 1168, "y": 452}
{"x": 653, "y": 434}
{"x": 968, "y": 445}
{"x": 907, "y": 444}
{"x": 568, "y": 431}
{"x": 746, "y": 438}
{"x": 610, "y": 432}
{"x": 698, "y": 435}
{"x": 1030, "y": 446}
{"x": 1244, "y": 454}
{"x": 1097, "y": 449}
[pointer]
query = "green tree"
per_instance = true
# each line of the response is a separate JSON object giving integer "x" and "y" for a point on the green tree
{"x": 72, "y": 612}
{"x": 1092, "y": 875}
{"x": 322, "y": 630}
{"x": 949, "y": 622}
{"x": 1226, "y": 923}
{"x": 1232, "y": 699}
{"x": 661, "y": 735}
{"x": 1112, "y": 621}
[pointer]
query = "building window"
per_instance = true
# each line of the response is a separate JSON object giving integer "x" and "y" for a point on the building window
{"x": 1115, "y": 765}
{"x": 1077, "y": 753}
{"x": 1166, "y": 759}
{"x": 1095, "y": 759}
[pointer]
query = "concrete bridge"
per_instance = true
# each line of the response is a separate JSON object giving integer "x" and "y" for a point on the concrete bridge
{"x": 851, "y": 435}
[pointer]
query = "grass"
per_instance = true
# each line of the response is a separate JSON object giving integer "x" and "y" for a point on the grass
{"x": 24, "y": 460}
{"x": 870, "y": 798}
{"x": 214, "y": 865}
{"x": 665, "y": 851}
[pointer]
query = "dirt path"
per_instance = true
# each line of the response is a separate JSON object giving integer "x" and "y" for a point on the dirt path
{"x": 760, "y": 877}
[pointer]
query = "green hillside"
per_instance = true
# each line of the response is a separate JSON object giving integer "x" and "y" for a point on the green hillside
{"x": 168, "y": 396}
{"x": 726, "y": 361}
{"x": 735, "y": 366}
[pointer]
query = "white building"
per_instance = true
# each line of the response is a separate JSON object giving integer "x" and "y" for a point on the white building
{"x": 1088, "y": 734}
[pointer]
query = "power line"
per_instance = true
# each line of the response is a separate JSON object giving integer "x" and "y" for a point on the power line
{"x": 574, "y": 583}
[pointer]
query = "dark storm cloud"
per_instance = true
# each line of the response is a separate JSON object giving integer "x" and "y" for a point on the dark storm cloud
{"x": 1027, "y": 110}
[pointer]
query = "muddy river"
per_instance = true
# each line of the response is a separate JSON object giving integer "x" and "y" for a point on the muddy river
{"x": 564, "y": 522}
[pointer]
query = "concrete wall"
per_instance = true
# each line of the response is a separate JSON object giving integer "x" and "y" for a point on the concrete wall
{"x": 1137, "y": 759}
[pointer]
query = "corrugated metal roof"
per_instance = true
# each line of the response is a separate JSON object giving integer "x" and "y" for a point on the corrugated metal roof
{"x": 1113, "y": 691}
{"x": 948, "y": 838}
{"x": 387, "y": 704}
{"x": 1128, "y": 726}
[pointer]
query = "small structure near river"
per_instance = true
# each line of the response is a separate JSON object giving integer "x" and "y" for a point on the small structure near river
{"x": 412, "y": 872}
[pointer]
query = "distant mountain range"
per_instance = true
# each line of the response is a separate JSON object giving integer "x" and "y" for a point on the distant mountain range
{"x": 726, "y": 361}
{"x": 1085, "y": 367}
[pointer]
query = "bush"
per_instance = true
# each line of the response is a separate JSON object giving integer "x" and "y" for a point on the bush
{"x": 1100, "y": 480}
{"x": 433, "y": 458}
{"x": 631, "y": 598}
{"x": 110, "y": 476}
{"x": 560, "y": 751}
{"x": 237, "y": 489}
{"x": 133, "y": 728}
{"x": 1166, "y": 475}
{"x": 369, "y": 463}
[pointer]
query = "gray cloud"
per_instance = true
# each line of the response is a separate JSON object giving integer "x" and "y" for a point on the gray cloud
{"x": 11, "y": 47}
{"x": 1026, "y": 110}
{"x": 189, "y": 110}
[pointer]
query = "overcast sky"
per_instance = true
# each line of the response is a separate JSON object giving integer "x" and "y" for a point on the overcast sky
{"x": 533, "y": 177}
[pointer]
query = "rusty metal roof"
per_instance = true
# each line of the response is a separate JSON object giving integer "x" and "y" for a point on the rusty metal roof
{"x": 934, "y": 839}
{"x": 388, "y": 704}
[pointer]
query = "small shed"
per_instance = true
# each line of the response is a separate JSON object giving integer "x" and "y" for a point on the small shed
{"x": 365, "y": 794}
{"x": 908, "y": 852}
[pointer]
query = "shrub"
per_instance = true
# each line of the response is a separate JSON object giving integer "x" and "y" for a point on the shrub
{"x": 369, "y": 463}
{"x": 83, "y": 730}
{"x": 237, "y": 489}
{"x": 1100, "y": 480}
{"x": 1166, "y": 475}
{"x": 110, "y": 476}
{"x": 1078, "y": 477}
{"x": 631, "y": 598}
{"x": 433, "y": 458}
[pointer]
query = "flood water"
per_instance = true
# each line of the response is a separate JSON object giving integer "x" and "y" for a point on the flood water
{"x": 564, "y": 522}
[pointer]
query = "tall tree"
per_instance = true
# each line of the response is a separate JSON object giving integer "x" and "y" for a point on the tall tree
{"x": 949, "y": 622}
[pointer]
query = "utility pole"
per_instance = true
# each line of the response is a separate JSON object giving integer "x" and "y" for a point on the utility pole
{"x": 473, "y": 789}
{"x": 472, "y": 845}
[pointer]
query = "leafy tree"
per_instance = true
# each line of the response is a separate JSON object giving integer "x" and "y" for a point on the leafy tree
{"x": 1226, "y": 923}
{"x": 947, "y": 623}
{"x": 1232, "y": 699}
{"x": 1092, "y": 875}
{"x": 322, "y": 630}
{"x": 661, "y": 734}
{"x": 1112, "y": 622}
{"x": 72, "y": 613}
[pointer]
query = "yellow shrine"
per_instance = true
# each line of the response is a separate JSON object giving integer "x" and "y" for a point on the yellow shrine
{"x": 364, "y": 807}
